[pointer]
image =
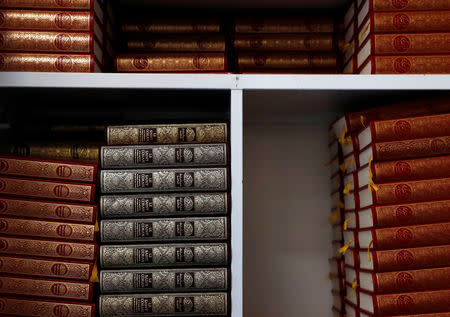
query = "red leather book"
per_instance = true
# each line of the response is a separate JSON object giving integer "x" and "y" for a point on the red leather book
{"x": 47, "y": 229}
{"x": 49, "y": 288}
{"x": 47, "y": 189}
{"x": 284, "y": 24}
{"x": 406, "y": 64}
{"x": 405, "y": 237}
{"x": 20, "y": 207}
{"x": 405, "y": 5}
{"x": 409, "y": 21}
{"x": 95, "y": 5}
{"x": 22, "y": 306}
{"x": 406, "y": 303}
{"x": 39, "y": 168}
{"x": 405, "y": 281}
{"x": 404, "y": 259}
{"x": 46, "y": 268}
{"x": 48, "y": 249}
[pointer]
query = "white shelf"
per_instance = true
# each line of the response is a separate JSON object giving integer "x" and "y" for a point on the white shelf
{"x": 224, "y": 81}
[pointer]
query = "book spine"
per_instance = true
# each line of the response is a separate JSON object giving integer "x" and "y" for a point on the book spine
{"x": 288, "y": 60}
{"x": 47, "y": 229}
{"x": 49, "y": 249}
{"x": 60, "y": 289}
{"x": 295, "y": 42}
{"x": 124, "y": 206}
{"x": 153, "y": 255}
{"x": 304, "y": 24}
{"x": 47, "y": 189}
{"x": 422, "y": 64}
{"x": 167, "y": 134}
{"x": 164, "y": 155}
{"x": 153, "y": 230}
{"x": 46, "y": 268}
{"x": 41, "y": 41}
{"x": 30, "y": 62}
{"x": 171, "y": 62}
{"x": 208, "y": 304}
{"x": 412, "y": 191}
{"x": 416, "y": 280}
{"x": 407, "y": 5}
{"x": 397, "y": 150}
{"x": 190, "y": 43}
{"x": 29, "y": 307}
{"x": 189, "y": 26}
{"x": 48, "y": 4}
{"x": 412, "y": 21}
{"x": 46, "y": 20}
{"x": 58, "y": 151}
{"x": 407, "y": 303}
{"x": 172, "y": 280}
{"x": 123, "y": 181}
{"x": 414, "y": 169}
{"x": 411, "y": 236}
{"x": 410, "y": 43}
{"x": 411, "y": 214}
{"x": 69, "y": 171}
{"x": 17, "y": 207}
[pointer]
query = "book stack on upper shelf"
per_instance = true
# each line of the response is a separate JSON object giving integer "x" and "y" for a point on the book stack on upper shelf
{"x": 396, "y": 203}
{"x": 288, "y": 44}
{"x": 397, "y": 37}
{"x": 172, "y": 44}
{"x": 47, "y": 237}
{"x": 55, "y": 36}
{"x": 165, "y": 220}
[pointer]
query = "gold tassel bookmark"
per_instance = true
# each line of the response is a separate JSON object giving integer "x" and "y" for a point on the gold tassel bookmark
{"x": 346, "y": 223}
{"x": 94, "y": 274}
{"x": 344, "y": 249}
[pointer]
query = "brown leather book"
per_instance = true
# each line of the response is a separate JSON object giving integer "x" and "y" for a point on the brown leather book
{"x": 171, "y": 62}
{"x": 177, "y": 43}
{"x": 410, "y": 21}
{"x": 283, "y": 42}
{"x": 285, "y": 24}
{"x": 52, "y": 4}
{"x": 406, "y": 5}
{"x": 406, "y": 64}
{"x": 169, "y": 25}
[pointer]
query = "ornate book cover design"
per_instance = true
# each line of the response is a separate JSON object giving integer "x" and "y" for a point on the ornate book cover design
{"x": 46, "y": 268}
{"x": 47, "y": 229}
{"x": 52, "y": 210}
{"x": 176, "y": 43}
{"x": 150, "y": 205}
{"x": 172, "y": 229}
{"x": 157, "y": 255}
{"x": 410, "y": 43}
{"x": 29, "y": 306}
{"x": 406, "y": 5}
{"x": 165, "y": 25}
{"x": 47, "y": 189}
{"x": 68, "y": 171}
{"x": 164, "y": 180}
{"x": 47, "y": 248}
{"x": 164, "y": 280}
{"x": 51, "y": 4}
{"x": 411, "y": 21}
{"x": 283, "y": 42}
{"x": 297, "y": 24}
{"x": 285, "y": 60}
{"x": 167, "y": 134}
{"x": 198, "y": 304}
{"x": 410, "y": 64}
{"x": 142, "y": 156}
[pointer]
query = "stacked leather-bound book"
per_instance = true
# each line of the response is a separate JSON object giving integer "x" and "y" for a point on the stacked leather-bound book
{"x": 285, "y": 44}
{"x": 55, "y": 36}
{"x": 48, "y": 234}
{"x": 397, "y": 37}
{"x": 172, "y": 44}
{"x": 165, "y": 228}
{"x": 396, "y": 206}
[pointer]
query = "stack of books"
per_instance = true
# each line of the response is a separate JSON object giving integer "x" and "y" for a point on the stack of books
{"x": 397, "y": 37}
{"x": 55, "y": 36}
{"x": 288, "y": 44}
{"x": 396, "y": 209}
{"x": 47, "y": 237}
{"x": 172, "y": 44}
{"x": 165, "y": 228}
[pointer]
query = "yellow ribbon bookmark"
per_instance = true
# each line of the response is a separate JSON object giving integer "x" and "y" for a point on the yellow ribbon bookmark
{"x": 371, "y": 183}
{"x": 363, "y": 33}
{"x": 347, "y": 188}
{"x": 362, "y": 121}
{"x": 344, "y": 249}
{"x": 345, "y": 47}
{"x": 342, "y": 137}
{"x": 334, "y": 217}
{"x": 346, "y": 223}
{"x": 354, "y": 285}
{"x": 345, "y": 165}
{"x": 94, "y": 274}
{"x": 368, "y": 251}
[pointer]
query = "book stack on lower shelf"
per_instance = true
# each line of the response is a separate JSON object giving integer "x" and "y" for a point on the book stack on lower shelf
{"x": 55, "y": 36}
{"x": 398, "y": 37}
{"x": 47, "y": 237}
{"x": 288, "y": 44}
{"x": 165, "y": 221}
{"x": 171, "y": 44}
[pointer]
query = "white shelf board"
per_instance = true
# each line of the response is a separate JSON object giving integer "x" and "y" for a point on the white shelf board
{"x": 225, "y": 81}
